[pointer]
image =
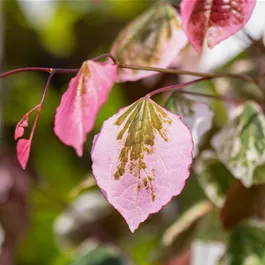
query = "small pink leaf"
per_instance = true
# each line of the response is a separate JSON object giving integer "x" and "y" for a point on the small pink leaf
{"x": 23, "y": 150}
{"x": 87, "y": 92}
{"x": 19, "y": 131}
{"x": 214, "y": 20}
{"x": 141, "y": 158}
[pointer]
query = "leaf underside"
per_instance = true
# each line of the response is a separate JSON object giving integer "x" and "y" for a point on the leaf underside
{"x": 214, "y": 20}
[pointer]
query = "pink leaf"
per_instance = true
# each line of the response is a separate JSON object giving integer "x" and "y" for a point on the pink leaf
{"x": 153, "y": 39}
{"x": 23, "y": 150}
{"x": 214, "y": 20}
{"x": 87, "y": 92}
{"x": 19, "y": 131}
{"x": 141, "y": 158}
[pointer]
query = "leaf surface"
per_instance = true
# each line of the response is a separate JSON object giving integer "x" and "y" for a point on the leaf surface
{"x": 153, "y": 39}
{"x": 23, "y": 151}
{"x": 87, "y": 92}
{"x": 196, "y": 115}
{"x": 213, "y": 20}
{"x": 246, "y": 245}
{"x": 141, "y": 158}
{"x": 213, "y": 177}
{"x": 23, "y": 145}
{"x": 240, "y": 145}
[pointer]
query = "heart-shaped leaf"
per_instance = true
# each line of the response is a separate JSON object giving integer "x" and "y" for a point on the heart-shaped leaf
{"x": 87, "y": 92}
{"x": 141, "y": 158}
{"x": 214, "y": 20}
{"x": 153, "y": 39}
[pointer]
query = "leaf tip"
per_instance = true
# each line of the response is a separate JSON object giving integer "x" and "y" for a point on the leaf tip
{"x": 23, "y": 151}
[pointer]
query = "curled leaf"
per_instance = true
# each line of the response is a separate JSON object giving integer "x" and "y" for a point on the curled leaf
{"x": 87, "y": 92}
{"x": 141, "y": 158}
{"x": 214, "y": 20}
{"x": 153, "y": 39}
{"x": 23, "y": 145}
{"x": 19, "y": 131}
{"x": 240, "y": 145}
{"x": 196, "y": 115}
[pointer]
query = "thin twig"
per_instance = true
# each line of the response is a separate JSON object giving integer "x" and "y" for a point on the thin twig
{"x": 204, "y": 76}
{"x": 53, "y": 71}
{"x": 134, "y": 67}
{"x": 173, "y": 87}
{"x": 185, "y": 72}
{"x": 56, "y": 70}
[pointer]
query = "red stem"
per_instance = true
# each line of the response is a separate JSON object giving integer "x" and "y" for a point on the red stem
{"x": 53, "y": 71}
{"x": 178, "y": 86}
{"x": 56, "y": 70}
{"x": 39, "y": 69}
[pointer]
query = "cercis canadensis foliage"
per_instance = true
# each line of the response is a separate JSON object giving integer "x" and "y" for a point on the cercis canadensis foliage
{"x": 142, "y": 155}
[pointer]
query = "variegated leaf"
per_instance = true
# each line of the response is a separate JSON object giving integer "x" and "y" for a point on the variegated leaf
{"x": 141, "y": 158}
{"x": 215, "y": 20}
{"x": 246, "y": 245}
{"x": 196, "y": 115}
{"x": 241, "y": 144}
{"x": 153, "y": 39}
{"x": 213, "y": 177}
{"x": 88, "y": 91}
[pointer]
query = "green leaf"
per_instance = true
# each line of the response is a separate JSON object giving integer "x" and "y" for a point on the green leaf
{"x": 246, "y": 246}
{"x": 240, "y": 145}
{"x": 213, "y": 177}
{"x": 259, "y": 175}
{"x": 98, "y": 256}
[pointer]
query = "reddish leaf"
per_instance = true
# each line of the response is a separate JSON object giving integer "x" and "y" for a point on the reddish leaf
{"x": 141, "y": 159}
{"x": 19, "y": 131}
{"x": 214, "y": 20}
{"x": 87, "y": 92}
{"x": 23, "y": 150}
{"x": 23, "y": 145}
{"x": 242, "y": 203}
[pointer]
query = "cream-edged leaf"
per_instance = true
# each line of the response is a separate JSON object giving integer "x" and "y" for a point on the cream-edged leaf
{"x": 240, "y": 145}
{"x": 154, "y": 39}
